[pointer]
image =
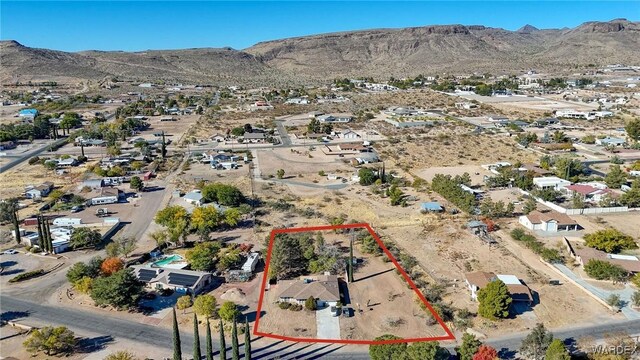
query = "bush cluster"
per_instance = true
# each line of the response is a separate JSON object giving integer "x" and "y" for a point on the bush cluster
{"x": 549, "y": 255}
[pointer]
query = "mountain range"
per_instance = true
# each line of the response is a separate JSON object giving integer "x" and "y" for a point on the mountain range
{"x": 379, "y": 53}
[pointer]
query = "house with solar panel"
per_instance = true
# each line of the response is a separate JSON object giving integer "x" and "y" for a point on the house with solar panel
{"x": 178, "y": 280}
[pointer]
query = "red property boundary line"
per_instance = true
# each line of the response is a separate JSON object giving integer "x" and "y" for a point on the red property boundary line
{"x": 413, "y": 286}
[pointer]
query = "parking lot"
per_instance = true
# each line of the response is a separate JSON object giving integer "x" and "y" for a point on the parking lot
{"x": 13, "y": 265}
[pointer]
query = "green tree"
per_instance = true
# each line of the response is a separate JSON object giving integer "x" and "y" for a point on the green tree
{"x": 615, "y": 178}
{"x": 604, "y": 270}
{"x": 310, "y": 303}
{"x": 171, "y": 216}
{"x": 469, "y": 347}
{"x": 613, "y": 300}
{"x": 196, "y": 339}
{"x": 635, "y": 298}
{"x": 51, "y": 340}
{"x": 633, "y": 129}
{"x": 205, "y": 305}
{"x": 232, "y": 217}
{"x": 209, "y": 344}
{"x": 223, "y": 343}
{"x": 206, "y": 219}
{"x": 247, "y": 340}
{"x": 367, "y": 176}
{"x": 136, "y": 183}
{"x": 280, "y": 173}
{"x": 177, "y": 346}
{"x": 557, "y": 351}
{"x": 610, "y": 240}
{"x": 228, "y": 311}
{"x": 223, "y": 194}
{"x": 121, "y": 290}
{"x": 184, "y": 302}
{"x": 388, "y": 351}
{"x": 430, "y": 350}
{"x": 534, "y": 346}
{"x": 85, "y": 237}
{"x": 202, "y": 256}
{"x": 631, "y": 198}
{"x": 237, "y": 131}
{"x": 287, "y": 259}
{"x": 235, "y": 348}
{"x": 567, "y": 168}
{"x": 494, "y": 300}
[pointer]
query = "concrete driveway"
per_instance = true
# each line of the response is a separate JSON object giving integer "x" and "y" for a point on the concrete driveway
{"x": 328, "y": 326}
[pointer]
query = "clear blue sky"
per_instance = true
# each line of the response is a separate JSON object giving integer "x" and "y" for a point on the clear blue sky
{"x": 120, "y": 25}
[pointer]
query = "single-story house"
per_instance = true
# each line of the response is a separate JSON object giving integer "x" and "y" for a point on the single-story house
{"x": 334, "y": 119}
{"x": 550, "y": 182}
{"x": 323, "y": 288}
{"x": 194, "y": 197}
{"x": 432, "y": 206}
{"x": 107, "y": 196}
{"x": 254, "y": 137}
{"x": 582, "y": 254}
{"x": 179, "y": 280}
{"x": 537, "y": 170}
{"x": 588, "y": 192}
{"x": 350, "y": 134}
{"x": 218, "y": 137}
{"x": 67, "y": 162}
{"x": 477, "y": 280}
{"x": 40, "y": 191}
{"x": 497, "y": 118}
{"x": 353, "y": 147}
{"x": 610, "y": 141}
{"x": 550, "y": 221}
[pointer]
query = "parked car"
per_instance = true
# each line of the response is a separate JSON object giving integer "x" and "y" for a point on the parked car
{"x": 76, "y": 209}
{"x": 335, "y": 311}
{"x": 9, "y": 252}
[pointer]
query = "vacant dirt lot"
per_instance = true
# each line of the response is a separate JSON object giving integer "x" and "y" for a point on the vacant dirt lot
{"x": 392, "y": 304}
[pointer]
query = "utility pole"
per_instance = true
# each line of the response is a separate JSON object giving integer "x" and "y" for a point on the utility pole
{"x": 350, "y": 269}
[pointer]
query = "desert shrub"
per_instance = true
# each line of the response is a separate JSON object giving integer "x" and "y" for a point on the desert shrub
{"x": 284, "y": 305}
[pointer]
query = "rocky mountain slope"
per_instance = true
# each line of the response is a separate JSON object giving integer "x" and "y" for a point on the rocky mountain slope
{"x": 379, "y": 53}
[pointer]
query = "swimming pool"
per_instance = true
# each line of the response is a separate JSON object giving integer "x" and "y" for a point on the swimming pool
{"x": 172, "y": 261}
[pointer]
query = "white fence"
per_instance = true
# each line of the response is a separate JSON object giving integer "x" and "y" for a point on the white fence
{"x": 585, "y": 211}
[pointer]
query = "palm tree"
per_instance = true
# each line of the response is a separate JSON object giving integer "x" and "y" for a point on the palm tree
{"x": 559, "y": 136}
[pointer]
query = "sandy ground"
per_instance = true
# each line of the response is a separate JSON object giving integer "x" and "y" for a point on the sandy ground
{"x": 285, "y": 322}
{"x": 392, "y": 305}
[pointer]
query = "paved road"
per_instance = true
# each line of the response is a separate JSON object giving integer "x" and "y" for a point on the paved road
{"x": 30, "y": 313}
{"x": 587, "y": 164}
{"x": 625, "y": 294}
{"x": 37, "y": 151}
{"x": 282, "y": 131}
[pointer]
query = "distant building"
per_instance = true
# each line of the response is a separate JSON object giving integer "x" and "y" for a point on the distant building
{"x": 610, "y": 141}
{"x": 28, "y": 114}
{"x": 433, "y": 206}
{"x": 550, "y": 182}
{"x": 107, "y": 196}
{"x": 582, "y": 254}
{"x": 40, "y": 191}
{"x": 194, "y": 197}
{"x": 93, "y": 184}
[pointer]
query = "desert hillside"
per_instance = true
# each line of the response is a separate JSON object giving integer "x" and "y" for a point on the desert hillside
{"x": 378, "y": 53}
